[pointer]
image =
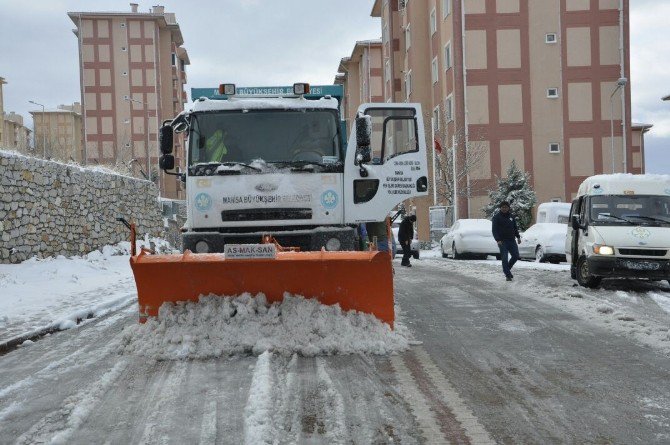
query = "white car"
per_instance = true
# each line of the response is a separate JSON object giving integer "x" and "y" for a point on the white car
{"x": 544, "y": 242}
{"x": 469, "y": 237}
{"x": 415, "y": 245}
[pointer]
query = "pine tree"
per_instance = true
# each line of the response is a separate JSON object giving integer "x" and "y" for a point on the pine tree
{"x": 516, "y": 190}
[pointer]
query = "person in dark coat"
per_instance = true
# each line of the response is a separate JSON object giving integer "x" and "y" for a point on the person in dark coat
{"x": 505, "y": 231}
{"x": 405, "y": 235}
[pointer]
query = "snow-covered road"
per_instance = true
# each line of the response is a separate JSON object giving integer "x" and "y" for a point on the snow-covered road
{"x": 533, "y": 361}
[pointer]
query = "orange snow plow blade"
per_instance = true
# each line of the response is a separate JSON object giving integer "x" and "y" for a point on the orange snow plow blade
{"x": 361, "y": 281}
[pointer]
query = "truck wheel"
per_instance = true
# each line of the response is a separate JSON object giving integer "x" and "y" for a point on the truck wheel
{"x": 415, "y": 254}
{"x": 584, "y": 278}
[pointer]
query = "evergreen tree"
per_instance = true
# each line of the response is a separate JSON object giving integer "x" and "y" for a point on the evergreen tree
{"x": 516, "y": 190}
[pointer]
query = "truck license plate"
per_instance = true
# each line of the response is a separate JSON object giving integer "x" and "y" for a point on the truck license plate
{"x": 641, "y": 265}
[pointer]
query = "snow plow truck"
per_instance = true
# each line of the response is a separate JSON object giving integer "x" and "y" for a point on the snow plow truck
{"x": 275, "y": 194}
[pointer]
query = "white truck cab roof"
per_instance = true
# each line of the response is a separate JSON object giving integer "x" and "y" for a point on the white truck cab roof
{"x": 265, "y": 103}
{"x": 625, "y": 184}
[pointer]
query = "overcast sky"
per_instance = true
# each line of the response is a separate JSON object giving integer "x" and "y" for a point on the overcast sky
{"x": 269, "y": 42}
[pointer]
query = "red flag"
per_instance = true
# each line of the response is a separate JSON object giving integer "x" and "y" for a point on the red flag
{"x": 438, "y": 147}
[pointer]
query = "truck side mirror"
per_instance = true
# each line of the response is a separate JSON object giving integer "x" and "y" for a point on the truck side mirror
{"x": 165, "y": 138}
{"x": 166, "y": 161}
{"x": 363, "y": 131}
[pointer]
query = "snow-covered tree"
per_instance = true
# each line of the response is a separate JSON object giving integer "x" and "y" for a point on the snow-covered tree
{"x": 515, "y": 189}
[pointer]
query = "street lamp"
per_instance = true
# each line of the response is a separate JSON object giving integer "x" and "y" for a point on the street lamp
{"x": 620, "y": 84}
{"x": 146, "y": 131}
{"x": 44, "y": 133}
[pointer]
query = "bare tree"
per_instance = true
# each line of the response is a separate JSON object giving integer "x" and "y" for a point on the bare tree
{"x": 459, "y": 158}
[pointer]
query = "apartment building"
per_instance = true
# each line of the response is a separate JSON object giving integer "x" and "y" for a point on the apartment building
{"x": 503, "y": 80}
{"x": 361, "y": 76}
{"x": 16, "y": 136}
{"x": 132, "y": 72}
{"x": 58, "y": 133}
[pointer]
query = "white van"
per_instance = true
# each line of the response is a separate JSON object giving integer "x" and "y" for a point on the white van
{"x": 553, "y": 212}
{"x": 620, "y": 228}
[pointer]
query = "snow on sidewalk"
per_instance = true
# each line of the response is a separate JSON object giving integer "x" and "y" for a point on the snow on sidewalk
{"x": 54, "y": 293}
{"x": 217, "y": 326}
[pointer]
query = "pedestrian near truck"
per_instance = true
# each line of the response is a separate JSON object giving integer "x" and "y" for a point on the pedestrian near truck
{"x": 405, "y": 235}
{"x": 506, "y": 234}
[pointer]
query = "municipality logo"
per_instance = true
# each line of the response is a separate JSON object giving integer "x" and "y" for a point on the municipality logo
{"x": 640, "y": 232}
{"x": 203, "y": 202}
{"x": 329, "y": 199}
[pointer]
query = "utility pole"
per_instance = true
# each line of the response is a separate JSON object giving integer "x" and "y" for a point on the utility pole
{"x": 44, "y": 133}
{"x": 620, "y": 84}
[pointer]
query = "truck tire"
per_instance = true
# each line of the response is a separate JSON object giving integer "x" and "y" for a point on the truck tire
{"x": 584, "y": 278}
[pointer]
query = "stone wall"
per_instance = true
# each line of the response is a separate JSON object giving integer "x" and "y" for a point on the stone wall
{"x": 48, "y": 208}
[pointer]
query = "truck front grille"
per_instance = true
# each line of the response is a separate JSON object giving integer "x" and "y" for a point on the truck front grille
{"x": 643, "y": 252}
{"x": 266, "y": 214}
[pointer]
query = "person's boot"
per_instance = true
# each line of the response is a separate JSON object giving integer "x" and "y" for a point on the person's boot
{"x": 508, "y": 278}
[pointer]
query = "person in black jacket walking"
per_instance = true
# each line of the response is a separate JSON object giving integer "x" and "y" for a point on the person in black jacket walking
{"x": 505, "y": 231}
{"x": 405, "y": 235}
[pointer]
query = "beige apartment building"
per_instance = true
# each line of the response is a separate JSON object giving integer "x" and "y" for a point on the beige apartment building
{"x": 132, "y": 72}
{"x": 13, "y": 134}
{"x": 58, "y": 133}
{"x": 503, "y": 80}
{"x": 361, "y": 76}
{"x": 16, "y": 136}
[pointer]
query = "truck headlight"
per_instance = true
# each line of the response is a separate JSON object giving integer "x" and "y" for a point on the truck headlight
{"x": 603, "y": 250}
{"x": 333, "y": 244}
{"x": 201, "y": 247}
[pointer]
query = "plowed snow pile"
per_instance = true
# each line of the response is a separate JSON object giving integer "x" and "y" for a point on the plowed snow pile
{"x": 219, "y": 326}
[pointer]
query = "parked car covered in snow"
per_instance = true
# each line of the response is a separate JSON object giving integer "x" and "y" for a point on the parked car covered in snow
{"x": 469, "y": 237}
{"x": 415, "y": 245}
{"x": 544, "y": 242}
{"x": 553, "y": 212}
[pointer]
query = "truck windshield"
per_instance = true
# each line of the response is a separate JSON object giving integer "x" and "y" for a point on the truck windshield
{"x": 630, "y": 209}
{"x": 280, "y": 136}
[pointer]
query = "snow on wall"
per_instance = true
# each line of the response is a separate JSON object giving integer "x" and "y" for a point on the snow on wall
{"x": 220, "y": 326}
{"x": 49, "y": 208}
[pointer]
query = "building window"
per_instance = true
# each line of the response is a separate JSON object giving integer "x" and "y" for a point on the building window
{"x": 174, "y": 59}
{"x": 446, "y": 8}
{"x": 182, "y": 65}
{"x": 434, "y": 73}
{"x": 436, "y": 119}
{"x": 433, "y": 22}
{"x": 447, "y": 56}
{"x": 550, "y": 38}
{"x": 408, "y": 37}
{"x": 449, "y": 108}
{"x": 552, "y": 93}
{"x": 408, "y": 84}
{"x": 554, "y": 147}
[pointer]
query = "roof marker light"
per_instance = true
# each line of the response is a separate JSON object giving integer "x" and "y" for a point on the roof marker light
{"x": 227, "y": 89}
{"x": 300, "y": 88}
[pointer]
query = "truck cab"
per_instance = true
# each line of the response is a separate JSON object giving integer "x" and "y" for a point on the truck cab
{"x": 620, "y": 228}
{"x": 277, "y": 164}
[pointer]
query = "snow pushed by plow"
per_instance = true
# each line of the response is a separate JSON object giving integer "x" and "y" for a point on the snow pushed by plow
{"x": 219, "y": 326}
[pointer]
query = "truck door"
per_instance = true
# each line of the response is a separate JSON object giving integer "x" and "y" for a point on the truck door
{"x": 398, "y": 167}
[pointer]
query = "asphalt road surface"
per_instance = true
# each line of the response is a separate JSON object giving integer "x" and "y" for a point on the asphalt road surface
{"x": 532, "y": 361}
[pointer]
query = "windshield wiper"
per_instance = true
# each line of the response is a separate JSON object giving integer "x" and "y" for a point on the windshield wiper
{"x": 650, "y": 218}
{"x": 616, "y": 217}
{"x": 235, "y": 163}
{"x": 300, "y": 165}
